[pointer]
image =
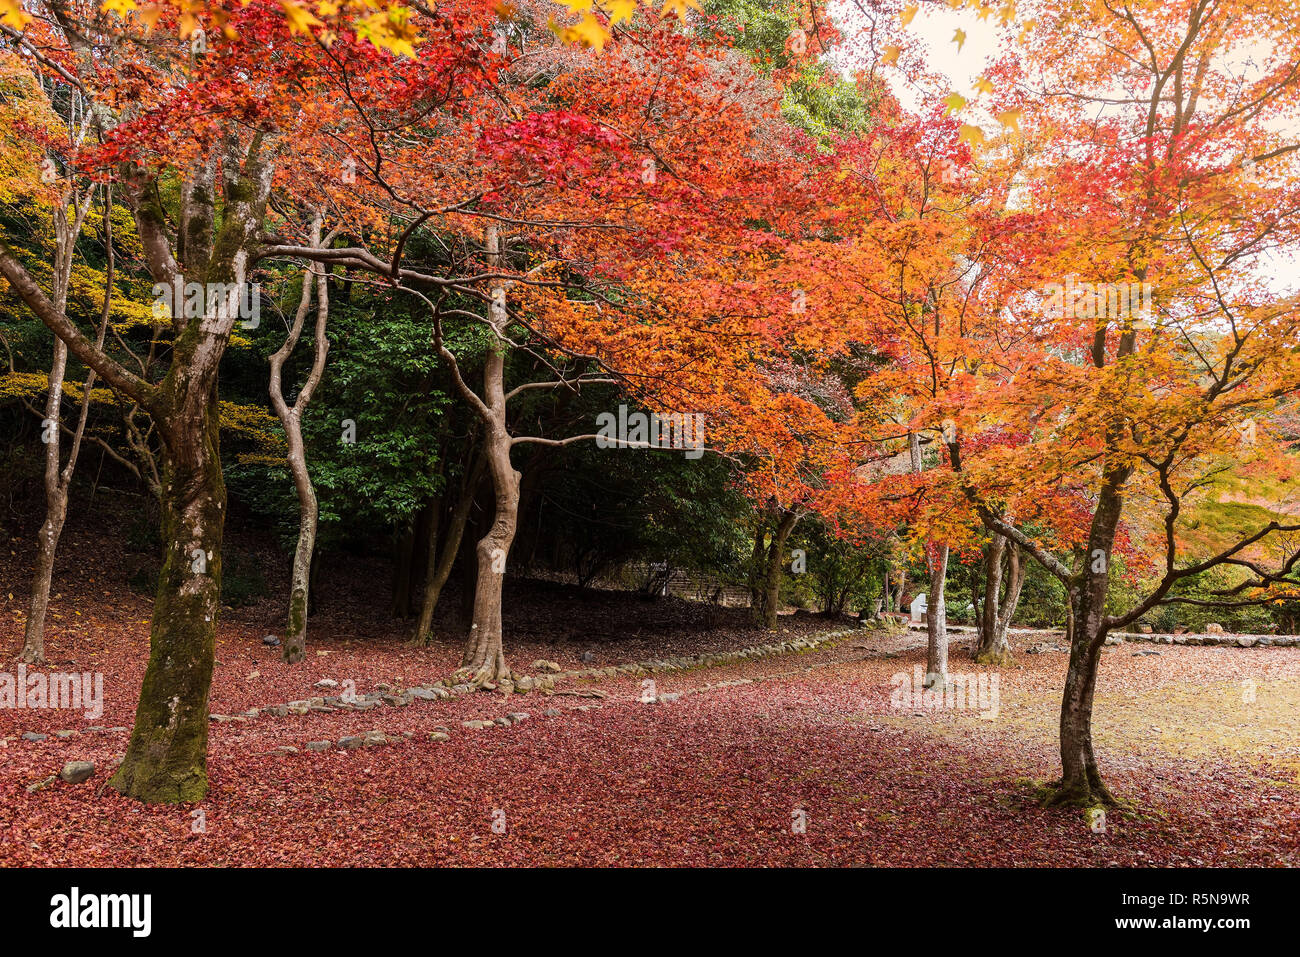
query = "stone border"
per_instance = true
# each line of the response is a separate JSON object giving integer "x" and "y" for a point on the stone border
{"x": 1120, "y": 637}
{"x": 385, "y": 695}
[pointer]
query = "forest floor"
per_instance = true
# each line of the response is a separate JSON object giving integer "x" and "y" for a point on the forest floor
{"x": 795, "y": 758}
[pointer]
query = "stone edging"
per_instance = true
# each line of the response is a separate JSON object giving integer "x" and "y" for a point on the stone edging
{"x": 1119, "y": 637}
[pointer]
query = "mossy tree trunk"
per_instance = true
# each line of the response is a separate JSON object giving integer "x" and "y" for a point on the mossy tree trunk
{"x": 166, "y": 759}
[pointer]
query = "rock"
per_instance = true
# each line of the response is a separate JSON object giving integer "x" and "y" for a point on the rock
{"x": 423, "y": 694}
{"x": 40, "y": 785}
{"x": 439, "y": 736}
{"x": 97, "y": 727}
{"x": 74, "y": 772}
{"x": 65, "y": 734}
{"x": 551, "y": 712}
{"x": 1145, "y": 651}
{"x": 442, "y": 729}
{"x": 395, "y": 700}
{"x": 1243, "y": 642}
{"x": 1214, "y": 628}
{"x": 501, "y": 722}
{"x": 550, "y": 667}
{"x": 364, "y": 705}
{"x": 119, "y": 729}
{"x": 525, "y": 684}
{"x": 319, "y": 745}
{"x": 34, "y": 736}
{"x": 270, "y": 640}
{"x": 373, "y": 738}
{"x": 517, "y": 717}
{"x": 476, "y": 725}
{"x": 587, "y": 657}
{"x": 326, "y": 683}
{"x": 352, "y": 741}
{"x": 286, "y": 749}
{"x": 277, "y": 711}
{"x": 668, "y": 697}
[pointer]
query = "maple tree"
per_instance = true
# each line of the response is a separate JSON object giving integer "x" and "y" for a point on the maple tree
{"x": 1035, "y": 324}
{"x": 1143, "y": 370}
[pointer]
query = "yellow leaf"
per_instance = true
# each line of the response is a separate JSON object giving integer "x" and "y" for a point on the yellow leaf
{"x": 149, "y": 16}
{"x": 620, "y": 10}
{"x": 120, "y": 7}
{"x": 1025, "y": 30}
{"x": 954, "y": 102}
{"x": 908, "y": 13}
{"x": 587, "y": 32}
{"x": 1010, "y": 119}
{"x": 301, "y": 20}
{"x": 971, "y": 134}
{"x": 327, "y": 8}
{"x": 959, "y": 38}
{"x": 13, "y": 15}
{"x": 984, "y": 85}
{"x": 679, "y": 7}
{"x": 891, "y": 55}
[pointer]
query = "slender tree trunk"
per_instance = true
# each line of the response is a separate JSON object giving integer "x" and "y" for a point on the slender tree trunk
{"x": 56, "y": 512}
{"x": 756, "y": 567}
{"x": 58, "y": 478}
{"x": 166, "y": 759}
{"x": 403, "y": 553}
{"x": 440, "y": 564}
{"x": 294, "y": 647}
{"x": 936, "y": 621}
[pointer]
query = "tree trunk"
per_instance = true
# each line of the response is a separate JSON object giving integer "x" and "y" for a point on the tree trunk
{"x": 58, "y": 477}
{"x": 1080, "y": 778}
{"x": 294, "y": 647}
{"x": 440, "y": 564}
{"x": 756, "y": 566}
{"x": 56, "y": 512}
{"x": 405, "y": 549}
{"x": 999, "y": 603}
{"x": 936, "y": 621}
{"x": 484, "y": 656}
{"x": 166, "y": 759}
{"x": 775, "y": 559}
